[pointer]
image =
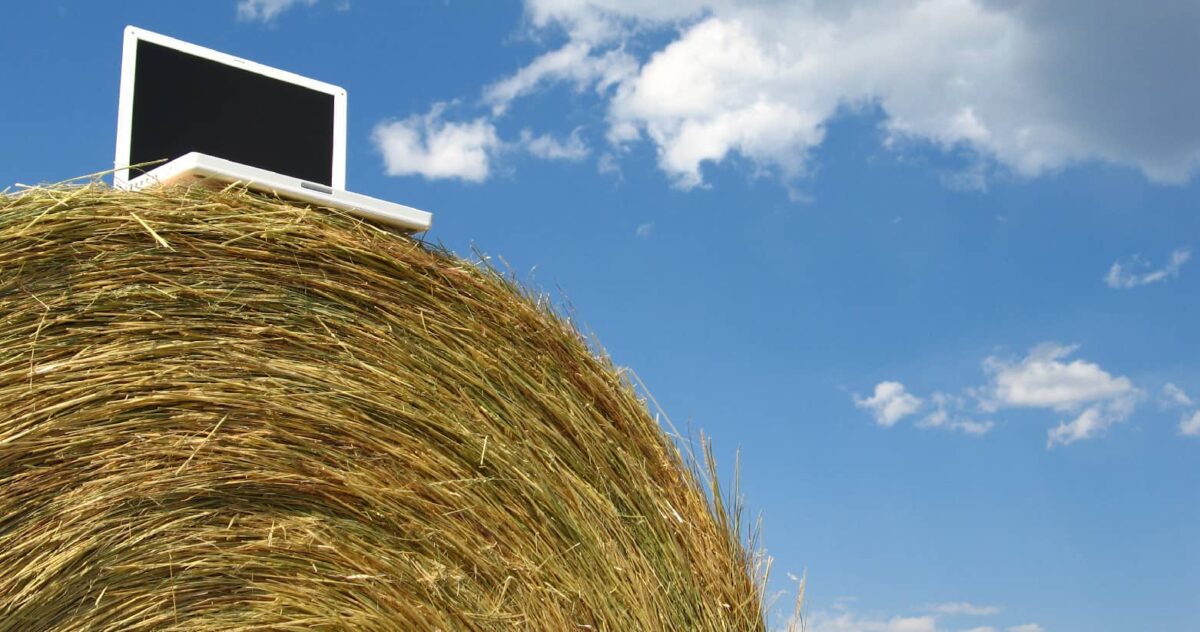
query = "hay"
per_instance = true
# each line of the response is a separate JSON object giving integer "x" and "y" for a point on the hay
{"x": 219, "y": 411}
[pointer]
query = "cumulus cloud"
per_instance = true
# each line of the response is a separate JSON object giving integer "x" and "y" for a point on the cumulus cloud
{"x": 1042, "y": 379}
{"x": 267, "y": 10}
{"x": 1028, "y": 86}
{"x": 1135, "y": 271}
{"x": 1045, "y": 378}
{"x": 709, "y": 94}
{"x": 890, "y": 403}
{"x": 435, "y": 149}
{"x": 1028, "y": 627}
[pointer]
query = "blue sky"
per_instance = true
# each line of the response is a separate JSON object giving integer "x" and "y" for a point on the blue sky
{"x": 926, "y": 265}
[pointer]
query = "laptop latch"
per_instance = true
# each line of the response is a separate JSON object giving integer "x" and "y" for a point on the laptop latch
{"x": 316, "y": 187}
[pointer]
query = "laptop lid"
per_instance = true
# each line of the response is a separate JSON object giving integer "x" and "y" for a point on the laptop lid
{"x": 177, "y": 98}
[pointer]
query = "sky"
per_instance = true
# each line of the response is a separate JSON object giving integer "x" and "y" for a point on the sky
{"x": 924, "y": 268}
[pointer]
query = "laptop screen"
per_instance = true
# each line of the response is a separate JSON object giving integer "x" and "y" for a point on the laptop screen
{"x": 184, "y": 103}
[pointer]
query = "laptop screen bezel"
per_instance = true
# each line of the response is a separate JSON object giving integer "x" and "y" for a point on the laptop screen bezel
{"x": 121, "y": 174}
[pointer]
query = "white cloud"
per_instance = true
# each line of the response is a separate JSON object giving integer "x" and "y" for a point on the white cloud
{"x": 947, "y": 415}
{"x": 965, "y": 608}
{"x": 709, "y": 94}
{"x": 840, "y": 617}
{"x": 645, "y": 230}
{"x": 889, "y": 404}
{"x": 1028, "y": 86}
{"x": 432, "y": 147}
{"x": 1174, "y": 396}
{"x": 849, "y": 622}
{"x": 1190, "y": 425}
{"x": 1090, "y": 423}
{"x": 1045, "y": 379}
{"x": 267, "y": 10}
{"x": 607, "y": 164}
{"x": 1135, "y": 271}
{"x": 436, "y": 149}
{"x": 547, "y": 147}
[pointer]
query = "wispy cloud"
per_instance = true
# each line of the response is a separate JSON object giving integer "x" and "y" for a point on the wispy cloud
{"x": 948, "y": 414}
{"x": 573, "y": 63}
{"x": 607, "y": 164}
{"x": 644, "y": 230}
{"x": 964, "y": 608}
{"x": 1173, "y": 396}
{"x": 851, "y": 622}
{"x": 1189, "y": 426}
{"x": 547, "y": 147}
{"x": 938, "y": 618}
{"x": 891, "y": 403}
{"x": 1135, "y": 271}
{"x": 267, "y": 11}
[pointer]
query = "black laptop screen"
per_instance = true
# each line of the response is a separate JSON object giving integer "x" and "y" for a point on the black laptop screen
{"x": 184, "y": 103}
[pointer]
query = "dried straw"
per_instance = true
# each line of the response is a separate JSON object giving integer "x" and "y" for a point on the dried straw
{"x": 220, "y": 411}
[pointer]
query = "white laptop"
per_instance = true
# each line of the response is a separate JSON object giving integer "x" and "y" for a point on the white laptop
{"x": 217, "y": 117}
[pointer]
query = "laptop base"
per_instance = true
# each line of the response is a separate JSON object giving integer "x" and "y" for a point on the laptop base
{"x": 197, "y": 168}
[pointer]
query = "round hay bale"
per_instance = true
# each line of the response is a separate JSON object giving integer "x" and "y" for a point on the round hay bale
{"x": 220, "y": 411}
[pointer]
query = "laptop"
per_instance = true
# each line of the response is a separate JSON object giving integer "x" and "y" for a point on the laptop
{"x": 221, "y": 119}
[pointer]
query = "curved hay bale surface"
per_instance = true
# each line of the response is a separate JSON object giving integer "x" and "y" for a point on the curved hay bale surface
{"x": 222, "y": 412}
